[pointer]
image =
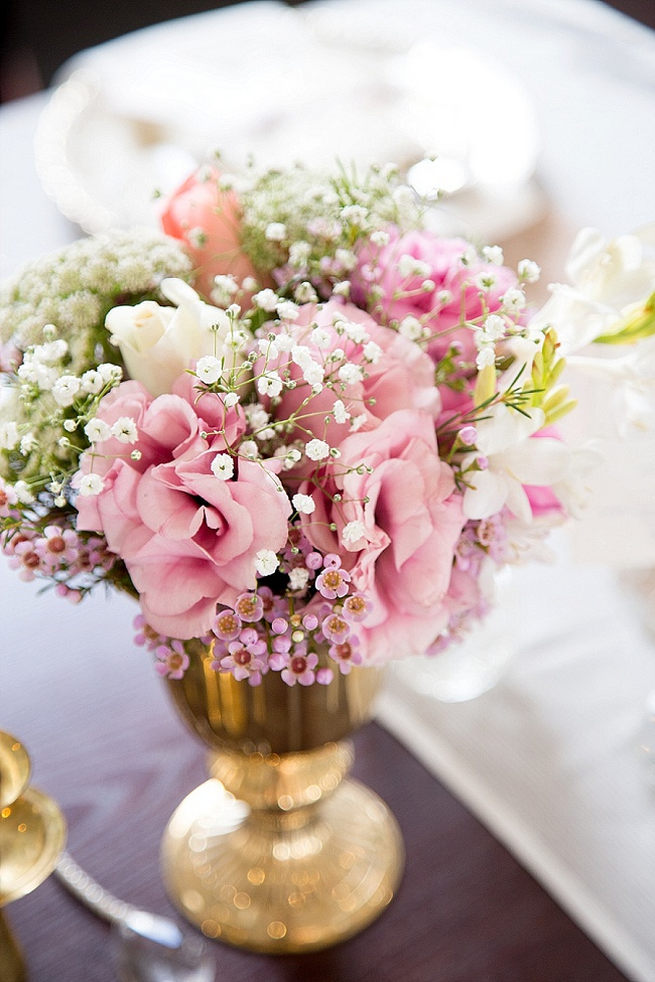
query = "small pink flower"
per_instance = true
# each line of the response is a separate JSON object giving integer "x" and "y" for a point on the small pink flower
{"x": 468, "y": 435}
{"x": 300, "y": 668}
{"x": 227, "y": 625}
{"x": 26, "y": 559}
{"x": 346, "y": 654}
{"x": 281, "y": 644}
{"x": 57, "y": 546}
{"x": 356, "y": 607}
{"x": 145, "y": 635}
{"x": 8, "y": 498}
{"x": 249, "y": 606}
{"x": 246, "y": 658}
{"x": 251, "y": 639}
{"x": 324, "y": 676}
{"x": 314, "y": 560}
{"x": 273, "y": 606}
{"x": 172, "y": 661}
{"x": 333, "y": 582}
{"x": 73, "y": 596}
{"x": 335, "y": 628}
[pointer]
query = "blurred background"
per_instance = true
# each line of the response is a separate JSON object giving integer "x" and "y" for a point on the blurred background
{"x": 38, "y": 36}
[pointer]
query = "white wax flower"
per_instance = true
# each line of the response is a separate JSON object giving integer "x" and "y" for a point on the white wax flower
{"x": 158, "y": 343}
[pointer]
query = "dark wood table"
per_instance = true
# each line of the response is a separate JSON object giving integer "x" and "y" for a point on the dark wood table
{"x": 108, "y": 746}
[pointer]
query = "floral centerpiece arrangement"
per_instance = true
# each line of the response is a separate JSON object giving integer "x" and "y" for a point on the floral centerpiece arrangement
{"x": 296, "y": 424}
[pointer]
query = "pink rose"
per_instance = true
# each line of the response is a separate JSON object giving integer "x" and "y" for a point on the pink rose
{"x": 402, "y": 377}
{"x": 443, "y": 258}
{"x": 396, "y": 530}
{"x": 188, "y": 537}
{"x": 208, "y": 221}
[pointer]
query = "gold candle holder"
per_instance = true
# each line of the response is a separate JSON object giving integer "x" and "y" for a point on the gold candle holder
{"x": 32, "y": 836}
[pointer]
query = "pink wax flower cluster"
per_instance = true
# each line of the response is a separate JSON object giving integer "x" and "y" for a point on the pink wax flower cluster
{"x": 312, "y": 450}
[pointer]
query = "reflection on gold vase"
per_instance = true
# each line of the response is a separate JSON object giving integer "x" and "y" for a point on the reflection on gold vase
{"x": 279, "y": 851}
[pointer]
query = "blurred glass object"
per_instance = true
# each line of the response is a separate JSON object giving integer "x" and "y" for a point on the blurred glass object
{"x": 472, "y": 666}
{"x": 158, "y": 101}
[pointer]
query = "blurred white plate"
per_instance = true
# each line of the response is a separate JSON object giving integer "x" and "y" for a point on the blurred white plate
{"x": 136, "y": 114}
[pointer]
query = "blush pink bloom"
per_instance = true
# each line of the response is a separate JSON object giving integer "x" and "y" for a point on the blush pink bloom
{"x": 208, "y": 221}
{"x": 402, "y": 378}
{"x": 543, "y": 500}
{"x": 410, "y": 516}
{"x": 379, "y": 267}
{"x": 465, "y": 602}
{"x": 188, "y": 538}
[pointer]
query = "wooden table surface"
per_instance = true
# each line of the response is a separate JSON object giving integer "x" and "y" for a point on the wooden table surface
{"x": 106, "y": 743}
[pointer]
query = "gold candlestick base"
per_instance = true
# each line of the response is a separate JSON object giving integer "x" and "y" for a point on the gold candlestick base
{"x": 32, "y": 835}
{"x": 12, "y": 966}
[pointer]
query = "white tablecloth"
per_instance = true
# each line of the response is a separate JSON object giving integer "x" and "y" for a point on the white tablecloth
{"x": 550, "y": 758}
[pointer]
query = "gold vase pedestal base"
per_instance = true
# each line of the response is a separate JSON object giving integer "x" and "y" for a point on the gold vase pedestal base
{"x": 280, "y": 852}
{"x": 294, "y": 877}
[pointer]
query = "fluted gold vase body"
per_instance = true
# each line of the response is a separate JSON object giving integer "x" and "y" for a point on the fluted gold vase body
{"x": 279, "y": 851}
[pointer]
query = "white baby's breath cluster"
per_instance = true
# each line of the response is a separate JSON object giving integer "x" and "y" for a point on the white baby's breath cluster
{"x": 45, "y": 411}
{"x": 307, "y": 225}
{"x": 75, "y": 287}
{"x": 52, "y": 324}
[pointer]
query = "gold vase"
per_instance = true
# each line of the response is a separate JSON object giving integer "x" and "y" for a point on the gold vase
{"x": 279, "y": 851}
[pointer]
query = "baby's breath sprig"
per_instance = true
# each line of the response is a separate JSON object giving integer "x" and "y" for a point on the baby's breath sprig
{"x": 306, "y": 227}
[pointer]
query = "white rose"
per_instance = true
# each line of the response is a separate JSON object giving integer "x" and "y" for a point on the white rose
{"x": 159, "y": 343}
